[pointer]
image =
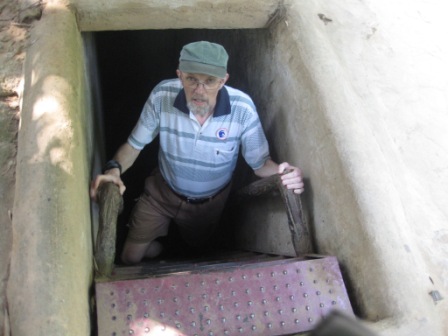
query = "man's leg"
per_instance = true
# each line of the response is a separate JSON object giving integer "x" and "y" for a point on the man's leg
{"x": 133, "y": 252}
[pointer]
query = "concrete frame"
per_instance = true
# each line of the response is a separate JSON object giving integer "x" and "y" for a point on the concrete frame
{"x": 365, "y": 225}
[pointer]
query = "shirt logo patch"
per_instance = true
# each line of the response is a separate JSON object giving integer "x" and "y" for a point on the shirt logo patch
{"x": 221, "y": 134}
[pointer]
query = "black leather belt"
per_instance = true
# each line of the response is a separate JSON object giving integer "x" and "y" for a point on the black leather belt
{"x": 193, "y": 200}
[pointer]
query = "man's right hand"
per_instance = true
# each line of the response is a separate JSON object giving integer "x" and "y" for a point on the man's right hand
{"x": 108, "y": 177}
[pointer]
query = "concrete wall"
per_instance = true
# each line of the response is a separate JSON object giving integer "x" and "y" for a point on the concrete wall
{"x": 51, "y": 262}
{"x": 354, "y": 94}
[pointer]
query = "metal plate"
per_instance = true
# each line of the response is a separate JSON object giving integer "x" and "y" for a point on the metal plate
{"x": 271, "y": 298}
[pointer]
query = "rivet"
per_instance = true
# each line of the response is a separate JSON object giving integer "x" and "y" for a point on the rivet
{"x": 111, "y": 293}
{"x": 277, "y": 299}
{"x": 145, "y": 303}
{"x": 131, "y": 332}
{"x": 231, "y": 279}
{"x": 210, "y": 333}
{"x": 208, "y": 322}
{"x": 129, "y": 317}
{"x": 296, "y": 321}
{"x": 219, "y": 295}
{"x": 262, "y": 289}
{"x": 330, "y": 291}
{"x": 187, "y": 284}
{"x": 223, "y": 320}
{"x": 178, "y": 325}
{"x": 162, "y": 314}
{"x": 249, "y": 303}
{"x": 269, "y": 325}
{"x": 142, "y": 290}
{"x": 146, "y": 315}
{"x": 129, "y": 304}
{"x": 294, "y": 310}
{"x": 272, "y": 274}
{"x": 217, "y": 281}
{"x": 233, "y": 293}
{"x": 146, "y": 330}
{"x": 221, "y": 307}
{"x": 193, "y": 324}
{"x": 280, "y": 311}
{"x": 318, "y": 293}
{"x": 258, "y": 275}
{"x": 292, "y": 297}
{"x": 244, "y": 277}
{"x": 254, "y": 327}
{"x": 238, "y": 317}
{"x": 333, "y": 302}
{"x": 307, "y": 308}
{"x": 287, "y": 285}
{"x": 301, "y": 283}
{"x": 275, "y": 287}
{"x": 175, "y": 299}
{"x": 159, "y": 301}
{"x": 202, "y": 283}
{"x": 204, "y": 296}
{"x": 310, "y": 320}
{"x": 240, "y": 329}
{"x": 285, "y": 272}
{"x": 192, "y": 310}
{"x": 252, "y": 315}
{"x": 315, "y": 281}
{"x": 189, "y": 297}
{"x": 236, "y": 304}
{"x": 305, "y": 295}
{"x": 266, "y": 313}
{"x": 206, "y": 308}
{"x": 298, "y": 270}
{"x": 282, "y": 323}
{"x": 113, "y": 305}
{"x": 247, "y": 291}
{"x": 127, "y": 291}
{"x": 114, "y": 318}
{"x": 311, "y": 269}
{"x": 114, "y": 334}
{"x": 263, "y": 301}
{"x": 177, "y": 312}
{"x": 321, "y": 305}
{"x": 226, "y": 332}
{"x": 173, "y": 286}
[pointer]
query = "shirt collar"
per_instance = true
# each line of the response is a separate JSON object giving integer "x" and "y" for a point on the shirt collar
{"x": 222, "y": 102}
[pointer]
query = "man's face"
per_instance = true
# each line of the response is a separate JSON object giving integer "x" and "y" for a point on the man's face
{"x": 201, "y": 91}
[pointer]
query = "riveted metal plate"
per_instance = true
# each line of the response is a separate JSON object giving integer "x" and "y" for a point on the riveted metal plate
{"x": 270, "y": 298}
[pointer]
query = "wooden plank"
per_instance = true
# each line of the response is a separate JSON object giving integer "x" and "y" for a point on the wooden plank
{"x": 298, "y": 226}
{"x": 110, "y": 205}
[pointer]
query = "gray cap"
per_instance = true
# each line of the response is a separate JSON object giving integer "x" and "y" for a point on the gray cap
{"x": 204, "y": 58}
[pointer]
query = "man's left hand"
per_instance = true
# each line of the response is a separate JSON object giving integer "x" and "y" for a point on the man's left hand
{"x": 291, "y": 177}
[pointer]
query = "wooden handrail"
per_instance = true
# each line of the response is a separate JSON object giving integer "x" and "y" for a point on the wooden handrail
{"x": 110, "y": 206}
{"x": 298, "y": 226}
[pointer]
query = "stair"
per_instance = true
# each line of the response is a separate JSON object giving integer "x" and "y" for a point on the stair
{"x": 243, "y": 294}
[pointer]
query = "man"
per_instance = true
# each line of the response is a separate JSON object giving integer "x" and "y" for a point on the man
{"x": 202, "y": 125}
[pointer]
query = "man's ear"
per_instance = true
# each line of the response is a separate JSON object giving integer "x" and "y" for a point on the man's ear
{"x": 178, "y": 73}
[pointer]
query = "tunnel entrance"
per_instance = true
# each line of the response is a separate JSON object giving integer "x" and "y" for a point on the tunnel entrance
{"x": 130, "y": 64}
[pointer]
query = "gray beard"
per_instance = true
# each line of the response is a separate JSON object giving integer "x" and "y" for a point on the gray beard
{"x": 198, "y": 110}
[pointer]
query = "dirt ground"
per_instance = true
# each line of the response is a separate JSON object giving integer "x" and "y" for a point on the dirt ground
{"x": 15, "y": 21}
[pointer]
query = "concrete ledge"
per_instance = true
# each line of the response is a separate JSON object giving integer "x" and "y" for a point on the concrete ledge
{"x": 154, "y": 14}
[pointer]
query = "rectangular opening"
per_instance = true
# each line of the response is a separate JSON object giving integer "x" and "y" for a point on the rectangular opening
{"x": 131, "y": 63}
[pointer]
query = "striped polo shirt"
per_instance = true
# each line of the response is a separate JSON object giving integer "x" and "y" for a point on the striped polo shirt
{"x": 198, "y": 161}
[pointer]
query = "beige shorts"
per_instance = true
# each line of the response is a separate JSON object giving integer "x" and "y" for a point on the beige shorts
{"x": 158, "y": 206}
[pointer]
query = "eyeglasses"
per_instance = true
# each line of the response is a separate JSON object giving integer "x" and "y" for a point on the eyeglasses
{"x": 211, "y": 83}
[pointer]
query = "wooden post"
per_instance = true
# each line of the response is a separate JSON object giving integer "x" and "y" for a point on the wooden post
{"x": 110, "y": 205}
{"x": 298, "y": 226}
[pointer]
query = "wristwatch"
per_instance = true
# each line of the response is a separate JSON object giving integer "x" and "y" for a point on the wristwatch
{"x": 112, "y": 164}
